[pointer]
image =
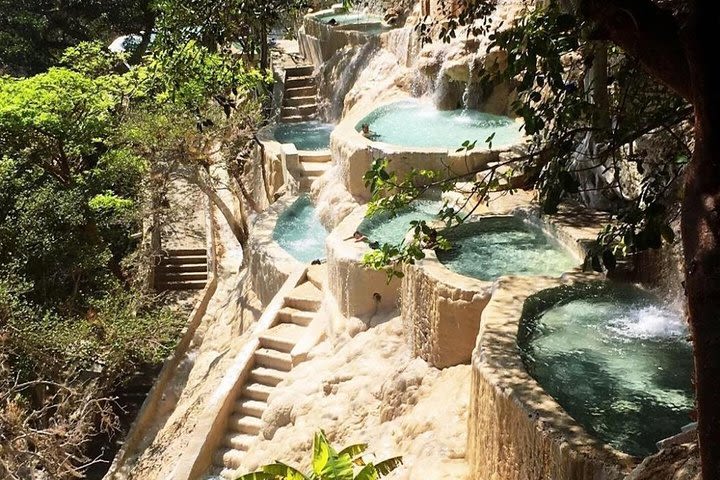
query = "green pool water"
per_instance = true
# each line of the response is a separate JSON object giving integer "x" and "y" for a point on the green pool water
{"x": 496, "y": 246}
{"x": 413, "y": 123}
{"x": 384, "y": 227}
{"x": 305, "y": 135}
{"x": 299, "y": 231}
{"x": 615, "y": 358}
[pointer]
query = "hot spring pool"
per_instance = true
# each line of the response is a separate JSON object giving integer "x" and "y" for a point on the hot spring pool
{"x": 299, "y": 231}
{"x": 383, "y": 227}
{"x": 349, "y": 18}
{"x": 615, "y": 358}
{"x": 415, "y": 124}
{"x": 496, "y": 246}
{"x": 305, "y": 135}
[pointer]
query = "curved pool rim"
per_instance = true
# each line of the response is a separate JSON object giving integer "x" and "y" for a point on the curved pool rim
{"x": 378, "y": 26}
{"x": 502, "y": 387}
{"x": 418, "y": 106}
{"x": 347, "y": 127}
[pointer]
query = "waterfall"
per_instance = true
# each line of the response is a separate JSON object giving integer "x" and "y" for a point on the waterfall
{"x": 596, "y": 181}
{"x": 348, "y": 73}
{"x": 471, "y": 95}
{"x": 441, "y": 87}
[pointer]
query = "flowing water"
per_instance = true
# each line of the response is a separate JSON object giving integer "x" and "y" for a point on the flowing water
{"x": 615, "y": 358}
{"x": 305, "y": 135}
{"x": 417, "y": 124}
{"x": 299, "y": 231}
{"x": 384, "y": 227}
{"x": 496, "y": 246}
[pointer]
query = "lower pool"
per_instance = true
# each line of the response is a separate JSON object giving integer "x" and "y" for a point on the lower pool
{"x": 299, "y": 231}
{"x": 305, "y": 135}
{"x": 496, "y": 246}
{"x": 385, "y": 227}
{"x": 615, "y": 358}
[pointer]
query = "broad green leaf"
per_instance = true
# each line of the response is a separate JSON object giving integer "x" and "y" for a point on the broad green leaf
{"x": 257, "y": 476}
{"x": 388, "y": 465}
{"x": 355, "y": 450}
{"x": 284, "y": 471}
{"x": 367, "y": 473}
{"x": 321, "y": 452}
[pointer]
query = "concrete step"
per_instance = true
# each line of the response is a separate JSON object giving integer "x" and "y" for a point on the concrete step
{"x": 299, "y": 71}
{"x": 184, "y": 252}
{"x": 282, "y": 337}
{"x": 305, "y": 297}
{"x": 244, "y": 424}
{"x": 185, "y": 285}
{"x": 297, "y": 82}
{"x": 165, "y": 276}
{"x": 182, "y": 268}
{"x": 298, "y": 317}
{"x": 320, "y": 156}
{"x": 256, "y": 391}
{"x": 252, "y": 408}
{"x": 267, "y": 376}
{"x": 270, "y": 358}
{"x": 316, "y": 274}
{"x": 238, "y": 441}
{"x": 310, "y": 91}
{"x": 299, "y": 101}
{"x": 302, "y": 110}
{"x": 306, "y": 184}
{"x": 313, "y": 169}
{"x": 184, "y": 260}
{"x": 228, "y": 457}
{"x": 297, "y": 118}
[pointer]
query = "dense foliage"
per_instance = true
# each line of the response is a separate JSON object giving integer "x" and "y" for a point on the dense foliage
{"x": 329, "y": 464}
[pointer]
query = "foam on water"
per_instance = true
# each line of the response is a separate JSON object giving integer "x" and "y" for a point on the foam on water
{"x": 417, "y": 124}
{"x": 496, "y": 246}
{"x": 305, "y": 135}
{"x": 299, "y": 231}
{"x": 615, "y": 359}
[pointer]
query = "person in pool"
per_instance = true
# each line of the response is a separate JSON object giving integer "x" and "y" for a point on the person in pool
{"x": 367, "y": 133}
{"x": 332, "y": 22}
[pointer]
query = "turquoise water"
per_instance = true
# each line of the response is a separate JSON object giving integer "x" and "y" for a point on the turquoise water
{"x": 615, "y": 358}
{"x": 299, "y": 231}
{"x": 416, "y": 124}
{"x": 496, "y": 246}
{"x": 305, "y": 135}
{"x": 384, "y": 227}
{"x": 350, "y": 18}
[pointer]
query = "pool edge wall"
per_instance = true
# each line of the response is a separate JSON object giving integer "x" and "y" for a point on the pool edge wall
{"x": 319, "y": 41}
{"x": 516, "y": 431}
{"x": 351, "y": 285}
{"x": 268, "y": 263}
{"x": 441, "y": 309}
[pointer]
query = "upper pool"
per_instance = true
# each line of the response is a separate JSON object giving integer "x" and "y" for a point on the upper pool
{"x": 413, "y": 123}
{"x": 615, "y": 358}
{"x": 299, "y": 231}
{"x": 305, "y": 135}
{"x": 495, "y": 246}
{"x": 349, "y": 18}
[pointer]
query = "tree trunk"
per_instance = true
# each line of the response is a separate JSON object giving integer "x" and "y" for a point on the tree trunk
{"x": 237, "y": 228}
{"x": 701, "y": 232}
{"x": 264, "y": 49}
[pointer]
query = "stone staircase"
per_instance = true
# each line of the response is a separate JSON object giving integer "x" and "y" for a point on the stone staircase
{"x": 312, "y": 166}
{"x": 300, "y": 97}
{"x": 182, "y": 269}
{"x": 272, "y": 361}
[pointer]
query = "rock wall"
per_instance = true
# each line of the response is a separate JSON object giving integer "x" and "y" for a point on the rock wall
{"x": 441, "y": 311}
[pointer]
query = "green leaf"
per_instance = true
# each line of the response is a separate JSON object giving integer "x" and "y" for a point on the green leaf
{"x": 388, "y": 465}
{"x": 279, "y": 469}
{"x": 257, "y": 476}
{"x": 367, "y": 473}
{"x": 355, "y": 450}
{"x": 321, "y": 452}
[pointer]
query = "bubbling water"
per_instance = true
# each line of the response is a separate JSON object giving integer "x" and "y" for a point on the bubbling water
{"x": 615, "y": 358}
